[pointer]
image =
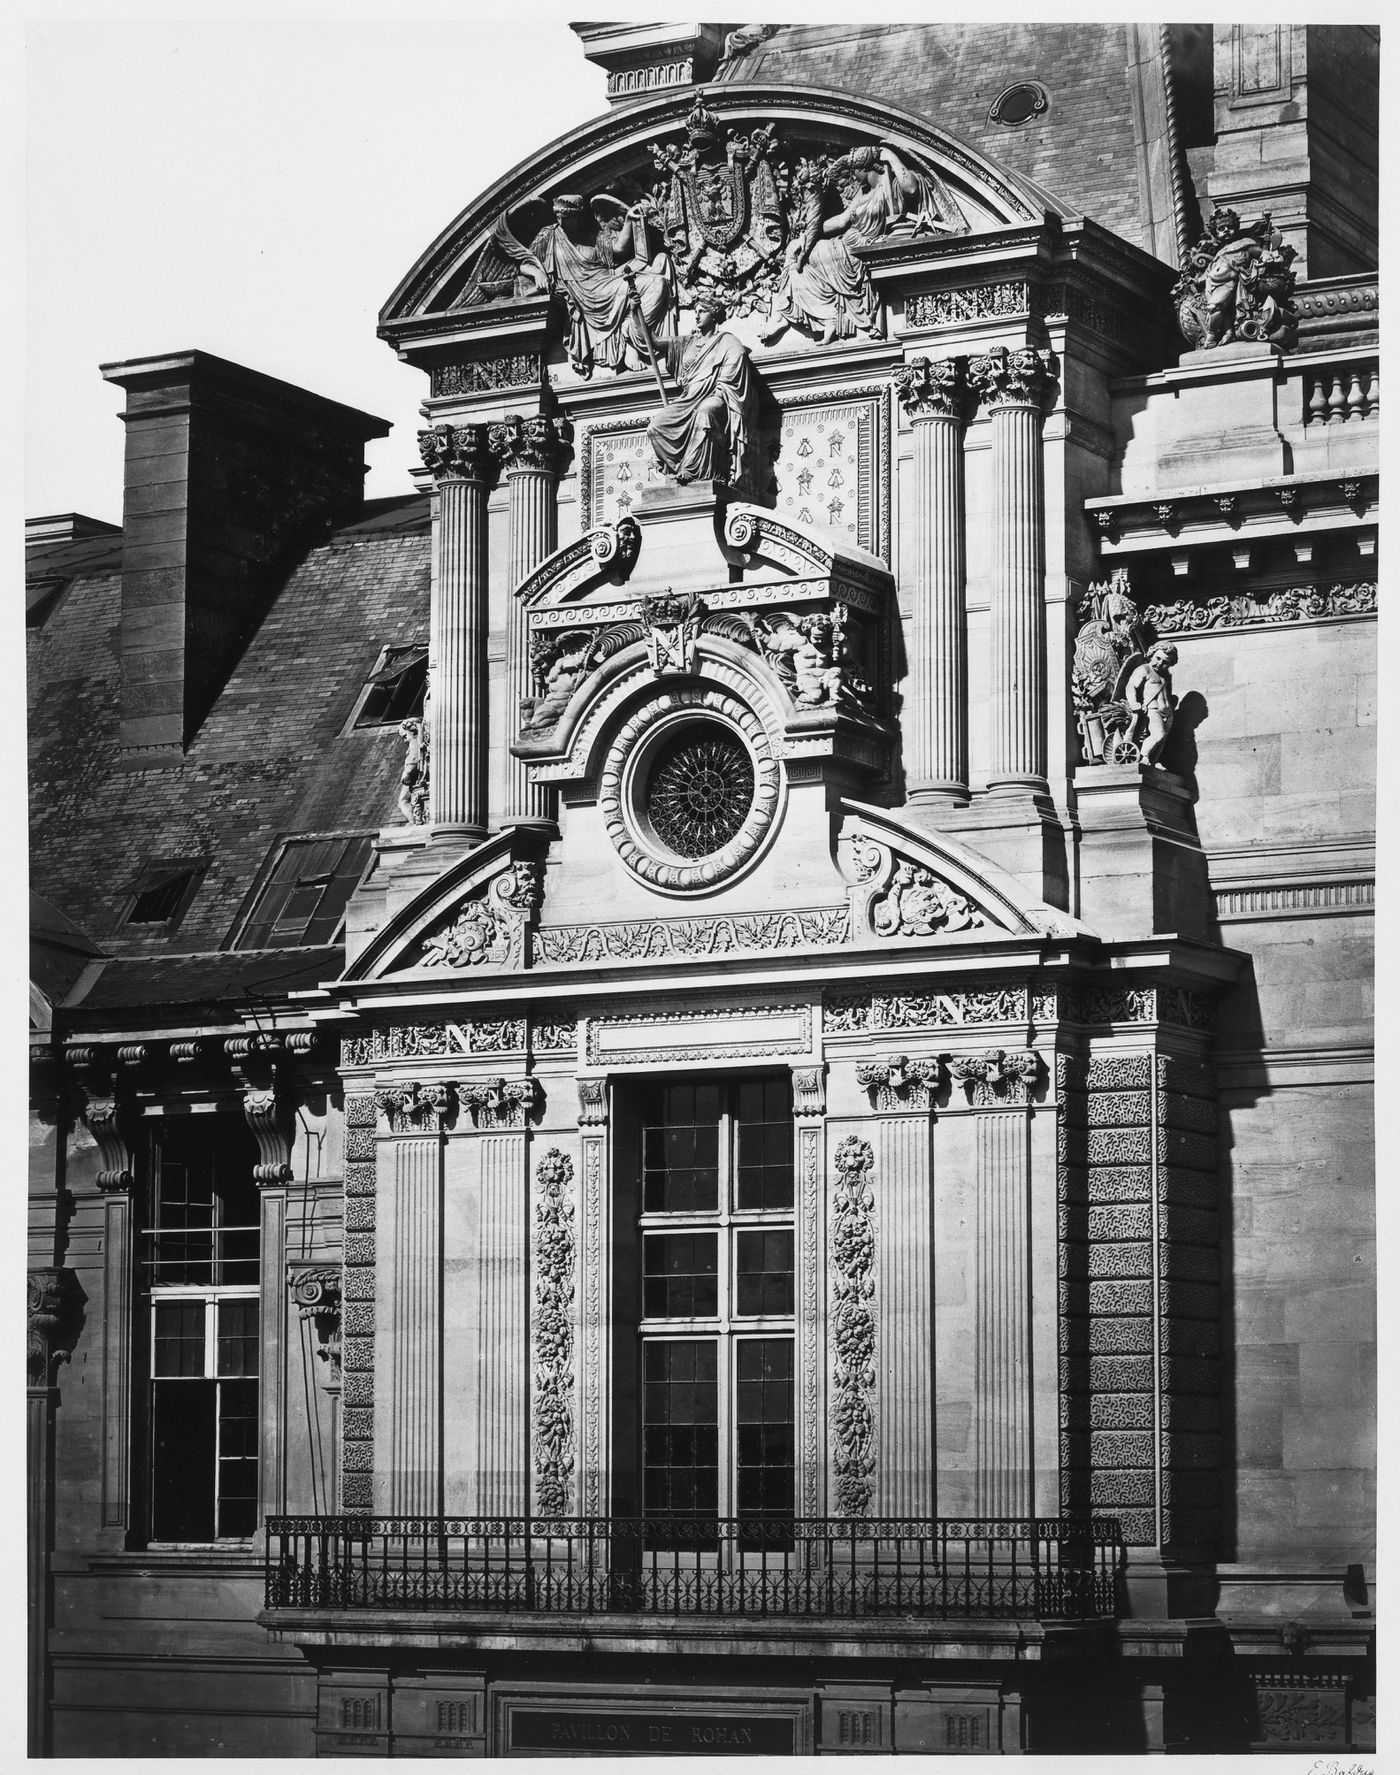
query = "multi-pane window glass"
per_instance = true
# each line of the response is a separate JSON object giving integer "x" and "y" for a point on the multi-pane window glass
{"x": 303, "y": 899}
{"x": 395, "y": 690}
{"x": 717, "y": 1299}
{"x": 201, "y": 1277}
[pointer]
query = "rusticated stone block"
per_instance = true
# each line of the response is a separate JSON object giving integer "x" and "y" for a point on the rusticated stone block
{"x": 359, "y": 1180}
{"x": 1120, "y": 1109}
{"x": 1120, "y": 1297}
{"x": 1197, "y": 1488}
{"x": 1194, "y": 1189}
{"x": 1186, "y": 1374}
{"x": 358, "y": 1318}
{"x": 1196, "y": 1113}
{"x": 1074, "y": 1411}
{"x": 359, "y": 1214}
{"x": 1176, "y": 1073}
{"x": 1122, "y": 1411}
{"x": 360, "y": 1111}
{"x": 357, "y": 1491}
{"x": 358, "y": 1425}
{"x": 1108, "y": 1491}
{"x": 1189, "y": 1450}
{"x": 359, "y": 1144}
{"x": 359, "y": 1248}
{"x": 1120, "y": 1261}
{"x": 356, "y": 1353}
{"x": 358, "y": 1457}
{"x": 1190, "y": 1263}
{"x": 1188, "y": 1226}
{"x": 357, "y": 1389}
{"x": 358, "y": 1284}
{"x": 1120, "y": 1223}
{"x": 1190, "y": 1411}
{"x": 1072, "y": 1144}
{"x": 1121, "y": 1448}
{"x": 1120, "y": 1146}
{"x": 1123, "y": 1336}
{"x": 1139, "y": 1527}
{"x": 1193, "y": 1528}
{"x": 1120, "y": 1183}
{"x": 1074, "y": 1448}
{"x": 1178, "y": 1146}
{"x": 1189, "y": 1300}
{"x": 1190, "y": 1337}
{"x": 1121, "y": 1374}
{"x": 1119, "y": 1072}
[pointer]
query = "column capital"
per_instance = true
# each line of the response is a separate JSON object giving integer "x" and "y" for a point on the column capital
{"x": 932, "y": 388}
{"x": 458, "y": 452}
{"x": 542, "y": 442}
{"x": 1013, "y": 378}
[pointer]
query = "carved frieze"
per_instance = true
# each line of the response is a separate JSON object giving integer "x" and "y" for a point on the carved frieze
{"x": 1290, "y": 604}
{"x": 553, "y": 1035}
{"x": 946, "y": 308}
{"x": 724, "y": 934}
{"x": 852, "y": 1327}
{"x": 857, "y": 1012}
{"x": 485, "y": 375}
{"x": 553, "y": 1331}
{"x": 996, "y": 1079}
{"x": 53, "y": 1309}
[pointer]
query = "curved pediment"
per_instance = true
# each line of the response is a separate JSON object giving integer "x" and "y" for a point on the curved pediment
{"x": 611, "y": 160}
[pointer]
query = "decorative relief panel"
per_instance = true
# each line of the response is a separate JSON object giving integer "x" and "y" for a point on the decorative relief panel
{"x": 553, "y": 1329}
{"x": 740, "y": 1032}
{"x": 896, "y": 897}
{"x": 997, "y": 1079}
{"x": 819, "y": 927}
{"x": 899, "y": 1082}
{"x": 553, "y": 1035}
{"x": 415, "y": 1108}
{"x": 810, "y": 1135}
{"x": 852, "y": 1327}
{"x": 431, "y": 1041}
{"x": 947, "y": 308}
{"x": 490, "y": 931}
{"x": 501, "y": 1103}
{"x": 857, "y": 1012}
{"x": 517, "y": 370}
{"x": 1191, "y": 616}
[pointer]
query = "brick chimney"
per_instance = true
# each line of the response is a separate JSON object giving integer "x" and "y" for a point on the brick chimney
{"x": 229, "y": 473}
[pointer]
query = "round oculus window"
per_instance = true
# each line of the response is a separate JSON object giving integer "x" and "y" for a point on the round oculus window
{"x": 699, "y": 790}
{"x": 1018, "y": 104}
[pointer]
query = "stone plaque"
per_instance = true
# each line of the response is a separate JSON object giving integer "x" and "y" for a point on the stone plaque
{"x": 591, "y": 1731}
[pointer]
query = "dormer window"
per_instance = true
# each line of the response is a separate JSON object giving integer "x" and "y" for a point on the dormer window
{"x": 163, "y": 890}
{"x": 395, "y": 689}
{"x": 301, "y": 899}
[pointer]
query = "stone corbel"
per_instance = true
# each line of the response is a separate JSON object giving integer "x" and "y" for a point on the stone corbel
{"x": 316, "y": 1294}
{"x": 899, "y": 1082}
{"x": 415, "y": 1108}
{"x": 501, "y": 1103}
{"x": 808, "y": 1092}
{"x": 54, "y": 1301}
{"x": 106, "y": 1117}
{"x": 997, "y": 1079}
{"x": 616, "y": 547}
{"x": 273, "y": 1122}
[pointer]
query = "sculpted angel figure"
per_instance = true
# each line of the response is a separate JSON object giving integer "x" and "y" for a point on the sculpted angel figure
{"x": 806, "y": 652}
{"x": 826, "y": 289}
{"x": 413, "y": 780}
{"x": 1236, "y": 283}
{"x": 587, "y": 253}
{"x": 704, "y": 434}
{"x": 1148, "y": 694}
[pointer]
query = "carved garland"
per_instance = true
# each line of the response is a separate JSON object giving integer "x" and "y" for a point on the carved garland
{"x": 853, "y": 1327}
{"x": 554, "y": 1335}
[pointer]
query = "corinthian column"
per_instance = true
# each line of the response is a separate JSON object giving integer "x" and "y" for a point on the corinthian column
{"x": 460, "y": 460}
{"x": 934, "y": 396}
{"x": 533, "y": 453}
{"x": 1013, "y": 385}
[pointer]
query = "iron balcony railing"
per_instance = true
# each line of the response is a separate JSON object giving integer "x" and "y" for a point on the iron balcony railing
{"x": 816, "y": 1567}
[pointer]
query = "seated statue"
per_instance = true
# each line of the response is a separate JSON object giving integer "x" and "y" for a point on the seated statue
{"x": 704, "y": 434}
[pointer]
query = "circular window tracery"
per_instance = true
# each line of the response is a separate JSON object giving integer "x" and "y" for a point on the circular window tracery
{"x": 689, "y": 789}
{"x": 699, "y": 790}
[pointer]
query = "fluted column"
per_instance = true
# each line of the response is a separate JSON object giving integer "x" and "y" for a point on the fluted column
{"x": 934, "y": 396}
{"x": 533, "y": 453}
{"x": 1013, "y": 385}
{"x": 458, "y": 730}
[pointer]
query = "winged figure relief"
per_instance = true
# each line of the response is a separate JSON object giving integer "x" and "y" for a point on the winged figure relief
{"x": 594, "y": 255}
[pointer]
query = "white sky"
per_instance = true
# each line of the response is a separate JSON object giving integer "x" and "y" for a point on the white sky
{"x": 256, "y": 189}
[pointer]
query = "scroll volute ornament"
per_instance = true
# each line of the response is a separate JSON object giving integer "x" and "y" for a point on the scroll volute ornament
{"x": 267, "y": 1106}
{"x": 316, "y": 1294}
{"x": 106, "y": 1115}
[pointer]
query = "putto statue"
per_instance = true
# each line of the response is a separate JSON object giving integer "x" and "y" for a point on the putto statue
{"x": 1121, "y": 680}
{"x": 614, "y": 273}
{"x": 413, "y": 780}
{"x": 704, "y": 434}
{"x": 826, "y": 289}
{"x": 811, "y": 655}
{"x": 1237, "y": 284}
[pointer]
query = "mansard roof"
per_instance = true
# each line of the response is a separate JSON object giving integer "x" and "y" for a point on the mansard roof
{"x": 274, "y": 758}
{"x": 594, "y": 156}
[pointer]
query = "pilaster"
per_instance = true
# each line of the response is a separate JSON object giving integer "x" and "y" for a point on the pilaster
{"x": 595, "y": 1290}
{"x": 933, "y": 394}
{"x": 533, "y": 453}
{"x": 460, "y": 460}
{"x": 809, "y": 1115}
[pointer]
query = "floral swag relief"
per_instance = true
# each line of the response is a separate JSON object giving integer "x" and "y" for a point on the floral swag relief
{"x": 554, "y": 1335}
{"x": 853, "y": 1327}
